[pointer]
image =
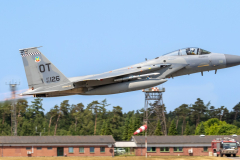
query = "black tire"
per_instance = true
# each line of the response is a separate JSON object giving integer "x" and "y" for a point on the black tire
{"x": 234, "y": 155}
{"x": 221, "y": 154}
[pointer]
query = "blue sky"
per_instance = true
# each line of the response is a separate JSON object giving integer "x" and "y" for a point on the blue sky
{"x": 90, "y": 37}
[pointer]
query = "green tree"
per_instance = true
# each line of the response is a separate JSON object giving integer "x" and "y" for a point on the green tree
{"x": 37, "y": 106}
{"x": 103, "y": 129}
{"x": 102, "y": 115}
{"x": 177, "y": 115}
{"x": 216, "y": 127}
{"x": 5, "y": 109}
{"x": 52, "y": 113}
{"x": 227, "y": 129}
{"x": 94, "y": 105}
{"x": 172, "y": 129}
{"x": 130, "y": 128}
{"x": 184, "y": 111}
{"x": 27, "y": 128}
{"x": 187, "y": 129}
{"x": 236, "y": 110}
{"x": 125, "y": 130}
{"x": 76, "y": 112}
{"x": 212, "y": 112}
{"x": 108, "y": 128}
{"x": 21, "y": 106}
{"x": 198, "y": 110}
{"x": 62, "y": 111}
{"x": 59, "y": 113}
{"x": 137, "y": 123}
{"x": 201, "y": 129}
{"x": 158, "y": 131}
{"x": 87, "y": 122}
{"x": 116, "y": 122}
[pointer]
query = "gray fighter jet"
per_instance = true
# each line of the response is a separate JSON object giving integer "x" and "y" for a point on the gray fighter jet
{"x": 45, "y": 80}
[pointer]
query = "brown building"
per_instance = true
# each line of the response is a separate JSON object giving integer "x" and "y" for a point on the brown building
{"x": 49, "y": 146}
{"x": 176, "y": 145}
{"x": 36, "y": 146}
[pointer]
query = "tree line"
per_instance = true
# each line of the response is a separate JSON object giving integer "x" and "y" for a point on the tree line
{"x": 94, "y": 119}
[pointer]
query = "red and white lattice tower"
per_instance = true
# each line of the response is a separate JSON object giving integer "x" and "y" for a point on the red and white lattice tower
{"x": 153, "y": 94}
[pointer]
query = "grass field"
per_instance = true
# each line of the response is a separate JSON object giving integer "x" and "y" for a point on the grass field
{"x": 118, "y": 158}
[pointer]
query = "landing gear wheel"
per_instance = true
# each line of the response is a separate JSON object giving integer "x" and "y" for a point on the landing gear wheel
{"x": 234, "y": 155}
{"x": 221, "y": 154}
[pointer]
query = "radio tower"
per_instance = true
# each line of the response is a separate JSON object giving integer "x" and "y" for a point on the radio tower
{"x": 13, "y": 87}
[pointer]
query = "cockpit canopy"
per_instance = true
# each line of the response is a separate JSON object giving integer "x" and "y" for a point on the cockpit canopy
{"x": 188, "y": 51}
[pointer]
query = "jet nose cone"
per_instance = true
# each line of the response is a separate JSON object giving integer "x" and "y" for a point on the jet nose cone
{"x": 232, "y": 60}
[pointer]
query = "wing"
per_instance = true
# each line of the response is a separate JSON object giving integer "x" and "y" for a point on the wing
{"x": 159, "y": 71}
{"x": 128, "y": 73}
{"x": 169, "y": 72}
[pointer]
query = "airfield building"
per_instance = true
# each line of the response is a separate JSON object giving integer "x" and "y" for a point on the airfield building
{"x": 174, "y": 145}
{"x": 52, "y": 146}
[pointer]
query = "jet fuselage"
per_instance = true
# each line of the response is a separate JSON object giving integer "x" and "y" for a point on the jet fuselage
{"x": 48, "y": 81}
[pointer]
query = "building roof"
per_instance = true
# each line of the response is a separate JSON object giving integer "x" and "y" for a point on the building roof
{"x": 57, "y": 139}
{"x": 125, "y": 144}
{"x": 179, "y": 139}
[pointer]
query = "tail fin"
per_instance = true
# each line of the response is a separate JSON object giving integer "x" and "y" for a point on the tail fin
{"x": 39, "y": 70}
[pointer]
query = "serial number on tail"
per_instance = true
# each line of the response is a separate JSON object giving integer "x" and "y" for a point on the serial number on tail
{"x": 53, "y": 79}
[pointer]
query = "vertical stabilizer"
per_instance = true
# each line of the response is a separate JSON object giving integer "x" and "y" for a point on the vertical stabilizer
{"x": 39, "y": 70}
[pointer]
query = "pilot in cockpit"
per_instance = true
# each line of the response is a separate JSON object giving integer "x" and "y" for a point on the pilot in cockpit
{"x": 190, "y": 51}
{"x": 193, "y": 51}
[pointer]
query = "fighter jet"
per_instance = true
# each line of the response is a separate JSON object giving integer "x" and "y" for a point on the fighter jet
{"x": 45, "y": 80}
